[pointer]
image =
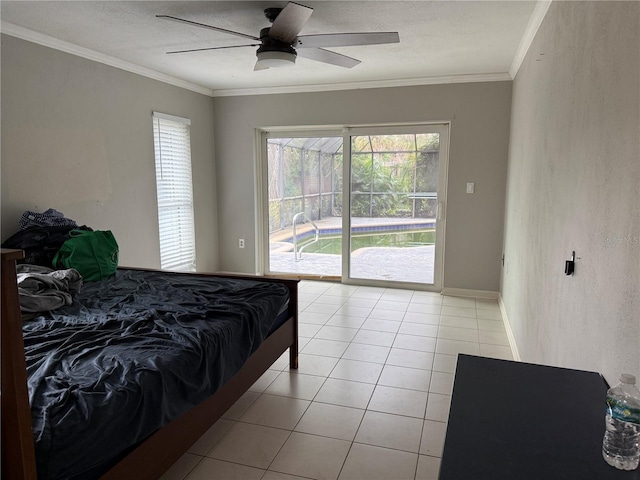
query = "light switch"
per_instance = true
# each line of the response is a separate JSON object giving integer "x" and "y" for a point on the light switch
{"x": 471, "y": 187}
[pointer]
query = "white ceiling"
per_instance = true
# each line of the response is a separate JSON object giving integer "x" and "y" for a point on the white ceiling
{"x": 440, "y": 41}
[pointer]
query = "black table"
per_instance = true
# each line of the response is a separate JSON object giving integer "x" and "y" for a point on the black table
{"x": 520, "y": 421}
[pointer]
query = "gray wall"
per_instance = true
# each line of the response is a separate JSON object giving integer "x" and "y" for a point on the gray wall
{"x": 479, "y": 114}
{"x": 77, "y": 136}
{"x": 573, "y": 184}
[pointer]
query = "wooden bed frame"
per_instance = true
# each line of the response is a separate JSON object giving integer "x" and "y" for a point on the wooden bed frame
{"x": 161, "y": 450}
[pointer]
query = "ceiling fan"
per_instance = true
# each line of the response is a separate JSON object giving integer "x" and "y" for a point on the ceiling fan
{"x": 280, "y": 44}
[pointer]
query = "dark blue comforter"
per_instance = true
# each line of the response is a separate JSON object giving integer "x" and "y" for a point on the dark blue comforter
{"x": 131, "y": 354}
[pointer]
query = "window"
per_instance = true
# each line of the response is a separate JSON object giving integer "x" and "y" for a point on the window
{"x": 172, "y": 146}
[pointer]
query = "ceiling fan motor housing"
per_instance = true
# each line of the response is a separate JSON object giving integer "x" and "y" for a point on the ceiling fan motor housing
{"x": 272, "y": 45}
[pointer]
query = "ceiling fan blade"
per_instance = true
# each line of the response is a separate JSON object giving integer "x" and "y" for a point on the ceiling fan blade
{"x": 326, "y": 56}
{"x": 346, "y": 39}
{"x": 212, "y": 48}
{"x": 210, "y": 27}
{"x": 260, "y": 66}
{"x": 289, "y": 22}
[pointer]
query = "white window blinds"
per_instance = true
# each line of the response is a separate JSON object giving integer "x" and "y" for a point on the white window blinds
{"x": 172, "y": 145}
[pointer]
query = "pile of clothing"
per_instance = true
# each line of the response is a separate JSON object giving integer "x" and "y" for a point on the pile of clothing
{"x": 42, "y": 289}
{"x": 41, "y": 235}
{"x": 40, "y": 286}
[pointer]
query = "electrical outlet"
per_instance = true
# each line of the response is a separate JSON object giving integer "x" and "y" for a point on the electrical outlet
{"x": 471, "y": 187}
{"x": 241, "y": 243}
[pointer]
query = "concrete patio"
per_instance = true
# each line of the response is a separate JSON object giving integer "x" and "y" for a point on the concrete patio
{"x": 413, "y": 264}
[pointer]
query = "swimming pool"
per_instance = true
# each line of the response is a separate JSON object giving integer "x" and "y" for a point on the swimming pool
{"x": 330, "y": 242}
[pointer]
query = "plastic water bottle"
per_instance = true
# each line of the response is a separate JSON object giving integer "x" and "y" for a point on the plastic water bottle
{"x": 622, "y": 421}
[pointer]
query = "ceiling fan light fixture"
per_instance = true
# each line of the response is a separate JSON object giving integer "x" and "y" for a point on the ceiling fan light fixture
{"x": 276, "y": 59}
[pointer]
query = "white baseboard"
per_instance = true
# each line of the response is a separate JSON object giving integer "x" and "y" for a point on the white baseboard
{"x": 465, "y": 292}
{"x": 507, "y": 327}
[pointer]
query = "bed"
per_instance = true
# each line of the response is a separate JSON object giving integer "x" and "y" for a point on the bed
{"x": 176, "y": 371}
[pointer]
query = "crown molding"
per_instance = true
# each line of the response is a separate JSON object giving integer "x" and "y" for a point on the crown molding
{"x": 67, "y": 47}
{"x": 23, "y": 33}
{"x": 539, "y": 12}
{"x": 408, "y": 82}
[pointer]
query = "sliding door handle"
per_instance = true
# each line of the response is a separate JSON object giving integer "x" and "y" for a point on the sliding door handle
{"x": 440, "y": 215}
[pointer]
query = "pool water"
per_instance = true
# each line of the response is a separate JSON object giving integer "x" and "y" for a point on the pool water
{"x": 332, "y": 244}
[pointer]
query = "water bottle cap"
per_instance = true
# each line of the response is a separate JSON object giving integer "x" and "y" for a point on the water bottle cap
{"x": 628, "y": 378}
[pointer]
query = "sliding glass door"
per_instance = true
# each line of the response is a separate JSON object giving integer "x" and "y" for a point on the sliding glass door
{"x": 396, "y": 190}
{"x": 305, "y": 205}
{"x": 391, "y": 205}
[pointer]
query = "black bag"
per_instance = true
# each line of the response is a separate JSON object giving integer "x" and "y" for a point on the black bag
{"x": 40, "y": 244}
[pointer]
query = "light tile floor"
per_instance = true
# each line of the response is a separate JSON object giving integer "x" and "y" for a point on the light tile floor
{"x": 370, "y": 399}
